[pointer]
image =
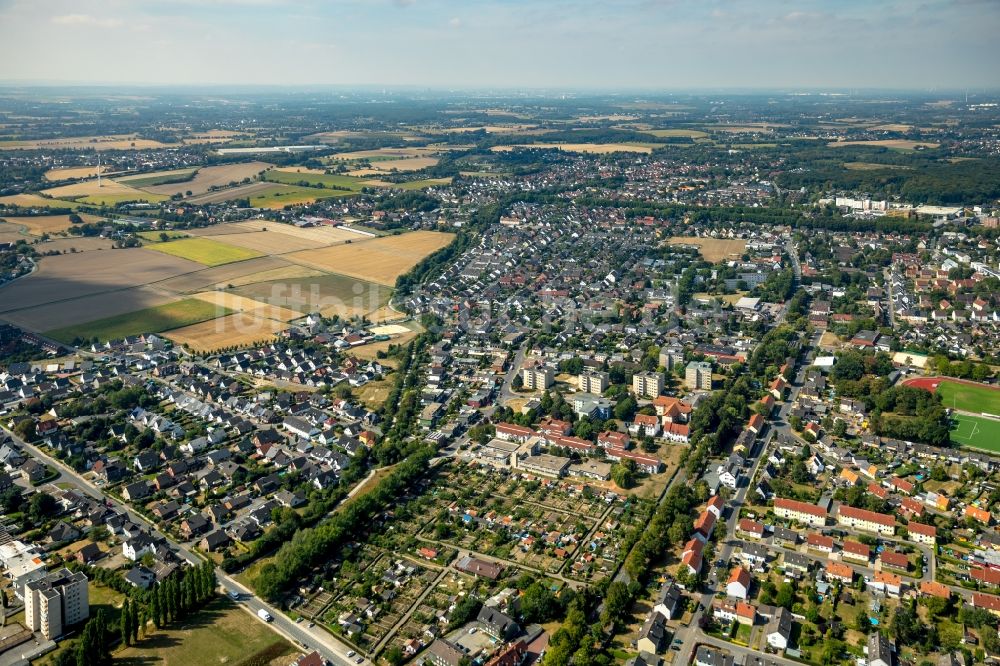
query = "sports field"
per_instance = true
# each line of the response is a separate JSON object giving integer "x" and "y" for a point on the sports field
{"x": 969, "y": 397}
{"x": 205, "y": 251}
{"x": 976, "y": 431}
{"x": 151, "y": 320}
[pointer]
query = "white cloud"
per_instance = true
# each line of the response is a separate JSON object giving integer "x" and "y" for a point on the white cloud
{"x": 86, "y": 19}
{"x": 455, "y": 22}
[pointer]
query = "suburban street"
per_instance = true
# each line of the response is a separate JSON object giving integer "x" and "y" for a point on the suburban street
{"x": 304, "y": 637}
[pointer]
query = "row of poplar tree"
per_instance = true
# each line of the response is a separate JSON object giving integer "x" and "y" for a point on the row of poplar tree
{"x": 169, "y": 601}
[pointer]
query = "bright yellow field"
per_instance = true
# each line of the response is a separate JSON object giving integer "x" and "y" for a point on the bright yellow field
{"x": 379, "y": 260}
{"x": 597, "y": 148}
{"x": 235, "y": 330}
{"x": 205, "y": 251}
{"x": 243, "y": 304}
{"x": 898, "y": 144}
{"x": 713, "y": 249}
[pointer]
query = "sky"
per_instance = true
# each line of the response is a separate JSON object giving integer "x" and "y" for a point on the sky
{"x": 510, "y": 44}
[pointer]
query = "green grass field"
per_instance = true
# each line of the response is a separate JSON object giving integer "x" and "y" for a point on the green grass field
{"x": 969, "y": 398}
{"x": 280, "y": 195}
{"x": 664, "y": 133}
{"x": 154, "y": 236}
{"x": 150, "y": 320}
{"x": 325, "y": 179}
{"x": 222, "y": 633}
{"x": 976, "y": 432}
{"x": 162, "y": 178}
{"x": 205, "y": 251}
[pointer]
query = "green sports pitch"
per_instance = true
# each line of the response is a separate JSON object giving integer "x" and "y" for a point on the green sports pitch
{"x": 976, "y": 432}
{"x": 969, "y": 398}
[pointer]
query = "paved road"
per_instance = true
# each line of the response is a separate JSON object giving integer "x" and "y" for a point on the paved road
{"x": 315, "y": 638}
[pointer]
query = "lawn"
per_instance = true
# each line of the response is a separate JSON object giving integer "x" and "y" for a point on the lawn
{"x": 206, "y": 251}
{"x": 222, "y": 633}
{"x": 977, "y": 432}
{"x": 969, "y": 398}
{"x": 150, "y": 320}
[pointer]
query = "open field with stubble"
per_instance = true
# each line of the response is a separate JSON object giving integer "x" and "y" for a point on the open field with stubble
{"x": 237, "y": 330}
{"x": 379, "y": 260}
{"x": 329, "y": 294}
{"x": 75, "y": 173}
{"x": 596, "y": 148}
{"x": 107, "y": 192}
{"x": 267, "y": 242}
{"x": 37, "y": 201}
{"x": 205, "y": 251}
{"x": 896, "y": 144}
{"x": 68, "y": 277}
{"x": 143, "y": 180}
{"x": 713, "y": 249}
{"x": 235, "y": 303}
{"x": 212, "y": 176}
{"x": 106, "y": 142}
{"x": 47, "y": 224}
{"x": 150, "y": 320}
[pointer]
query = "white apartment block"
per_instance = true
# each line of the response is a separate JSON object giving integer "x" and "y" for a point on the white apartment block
{"x": 537, "y": 379}
{"x": 56, "y": 601}
{"x": 647, "y": 384}
{"x": 698, "y": 376}
{"x": 593, "y": 382}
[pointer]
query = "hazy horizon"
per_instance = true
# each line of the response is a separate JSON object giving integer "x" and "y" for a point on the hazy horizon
{"x": 679, "y": 45}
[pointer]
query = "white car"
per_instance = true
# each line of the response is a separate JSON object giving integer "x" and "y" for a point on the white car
{"x": 351, "y": 654}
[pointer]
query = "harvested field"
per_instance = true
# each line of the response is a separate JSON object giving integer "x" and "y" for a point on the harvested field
{"x": 215, "y": 136}
{"x": 78, "y": 243}
{"x": 290, "y": 272}
{"x": 406, "y": 164}
{"x": 68, "y": 277}
{"x": 323, "y": 235}
{"x": 108, "y": 142}
{"x": 236, "y": 303}
{"x": 75, "y": 173}
{"x": 219, "y": 196}
{"x": 379, "y": 260}
{"x": 419, "y": 184}
{"x": 267, "y": 242}
{"x": 328, "y": 294}
{"x": 205, "y": 251}
{"x": 212, "y": 176}
{"x": 237, "y": 330}
{"x": 107, "y": 192}
{"x": 713, "y": 249}
{"x": 150, "y": 320}
{"x": 597, "y": 148}
{"x": 872, "y": 166}
{"x": 299, "y": 169}
{"x": 47, "y": 224}
{"x": 897, "y": 144}
{"x": 692, "y": 134}
{"x": 157, "y": 177}
{"x": 36, "y": 201}
{"x": 208, "y": 278}
{"x": 98, "y": 306}
{"x": 10, "y": 233}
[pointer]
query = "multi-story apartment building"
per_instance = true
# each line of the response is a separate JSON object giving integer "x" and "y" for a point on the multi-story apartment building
{"x": 647, "y": 384}
{"x": 593, "y": 382}
{"x": 803, "y": 512}
{"x": 698, "y": 376}
{"x": 537, "y": 379}
{"x": 869, "y": 521}
{"x": 56, "y": 601}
